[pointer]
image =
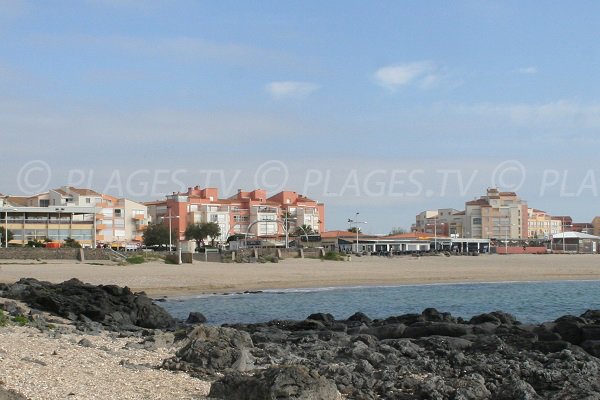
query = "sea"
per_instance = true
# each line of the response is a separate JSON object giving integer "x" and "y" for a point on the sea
{"x": 529, "y": 302}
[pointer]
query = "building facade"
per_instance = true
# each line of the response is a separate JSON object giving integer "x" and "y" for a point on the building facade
{"x": 89, "y": 217}
{"x": 500, "y": 215}
{"x": 542, "y": 225}
{"x": 250, "y": 213}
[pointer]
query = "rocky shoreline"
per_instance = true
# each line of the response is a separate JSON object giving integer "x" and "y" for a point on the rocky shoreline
{"x": 431, "y": 355}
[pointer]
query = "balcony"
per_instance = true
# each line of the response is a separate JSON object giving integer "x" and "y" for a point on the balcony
{"x": 101, "y": 227}
{"x": 139, "y": 217}
{"x": 266, "y": 210}
{"x": 99, "y": 237}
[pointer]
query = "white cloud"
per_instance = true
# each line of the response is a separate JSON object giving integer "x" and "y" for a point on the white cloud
{"x": 392, "y": 77}
{"x": 528, "y": 70}
{"x": 290, "y": 89}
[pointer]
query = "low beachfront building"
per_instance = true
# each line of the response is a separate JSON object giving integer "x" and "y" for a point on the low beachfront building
{"x": 575, "y": 242}
{"x": 89, "y": 217}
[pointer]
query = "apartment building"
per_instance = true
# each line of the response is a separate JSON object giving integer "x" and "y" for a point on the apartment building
{"x": 542, "y": 225}
{"x": 246, "y": 212}
{"x": 495, "y": 215}
{"x": 87, "y": 216}
{"x": 443, "y": 222}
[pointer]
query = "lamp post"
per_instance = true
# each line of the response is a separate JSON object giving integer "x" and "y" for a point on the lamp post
{"x": 506, "y": 238}
{"x": 355, "y": 221}
{"x": 170, "y": 229}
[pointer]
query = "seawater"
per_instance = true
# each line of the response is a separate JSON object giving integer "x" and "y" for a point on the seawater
{"x": 532, "y": 302}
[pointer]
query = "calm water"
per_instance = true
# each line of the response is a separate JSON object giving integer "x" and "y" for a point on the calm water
{"x": 529, "y": 302}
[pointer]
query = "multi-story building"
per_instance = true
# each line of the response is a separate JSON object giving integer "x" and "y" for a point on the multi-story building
{"x": 495, "y": 215}
{"x": 443, "y": 222}
{"x": 87, "y": 216}
{"x": 251, "y": 213}
{"x": 542, "y": 225}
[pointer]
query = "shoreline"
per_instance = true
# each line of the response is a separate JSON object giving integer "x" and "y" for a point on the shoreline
{"x": 327, "y": 288}
{"x": 164, "y": 280}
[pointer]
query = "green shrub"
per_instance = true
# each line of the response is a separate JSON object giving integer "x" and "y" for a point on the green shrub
{"x": 21, "y": 320}
{"x": 333, "y": 256}
{"x": 3, "y": 319}
{"x": 137, "y": 259}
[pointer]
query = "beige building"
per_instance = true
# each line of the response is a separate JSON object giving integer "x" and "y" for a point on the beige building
{"x": 441, "y": 222}
{"x": 541, "y": 225}
{"x": 497, "y": 215}
{"x": 87, "y": 216}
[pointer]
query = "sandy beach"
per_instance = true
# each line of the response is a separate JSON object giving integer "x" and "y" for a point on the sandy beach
{"x": 158, "y": 279}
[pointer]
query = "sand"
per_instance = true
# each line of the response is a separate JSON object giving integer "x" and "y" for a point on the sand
{"x": 51, "y": 366}
{"x": 158, "y": 279}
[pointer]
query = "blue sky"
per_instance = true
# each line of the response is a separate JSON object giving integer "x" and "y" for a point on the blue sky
{"x": 385, "y": 108}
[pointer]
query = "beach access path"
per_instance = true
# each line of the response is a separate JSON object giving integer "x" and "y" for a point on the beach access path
{"x": 159, "y": 279}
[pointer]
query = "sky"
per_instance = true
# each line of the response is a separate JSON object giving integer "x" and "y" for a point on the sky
{"x": 385, "y": 108}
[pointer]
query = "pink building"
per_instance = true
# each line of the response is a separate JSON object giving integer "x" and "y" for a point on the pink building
{"x": 245, "y": 212}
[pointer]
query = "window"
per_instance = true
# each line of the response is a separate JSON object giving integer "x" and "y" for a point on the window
{"x": 88, "y": 200}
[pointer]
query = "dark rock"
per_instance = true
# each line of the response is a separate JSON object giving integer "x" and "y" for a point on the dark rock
{"x": 195, "y": 318}
{"x": 421, "y": 329}
{"x": 6, "y": 394}
{"x": 210, "y": 350}
{"x": 112, "y": 306}
{"x": 592, "y": 347}
{"x": 390, "y": 331}
{"x": 85, "y": 343}
{"x": 590, "y": 332}
{"x": 569, "y": 329}
{"x": 360, "y": 317}
{"x": 325, "y": 318}
{"x": 516, "y": 390}
{"x": 591, "y": 315}
{"x": 284, "y": 382}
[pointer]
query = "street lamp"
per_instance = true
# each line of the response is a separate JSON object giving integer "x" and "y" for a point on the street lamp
{"x": 170, "y": 229}
{"x": 355, "y": 221}
{"x": 506, "y": 238}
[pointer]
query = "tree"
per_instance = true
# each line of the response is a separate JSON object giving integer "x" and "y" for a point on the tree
{"x": 156, "y": 235}
{"x": 72, "y": 243}
{"x": 199, "y": 232}
{"x": 195, "y": 232}
{"x": 397, "y": 231}
{"x": 304, "y": 230}
{"x": 354, "y": 229}
{"x": 211, "y": 230}
{"x": 3, "y": 234}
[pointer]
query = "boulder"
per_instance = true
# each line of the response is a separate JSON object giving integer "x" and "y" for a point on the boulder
{"x": 282, "y": 382}
{"x": 195, "y": 317}
{"x": 112, "y": 306}
{"x": 422, "y": 329}
{"x": 210, "y": 350}
{"x": 360, "y": 317}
